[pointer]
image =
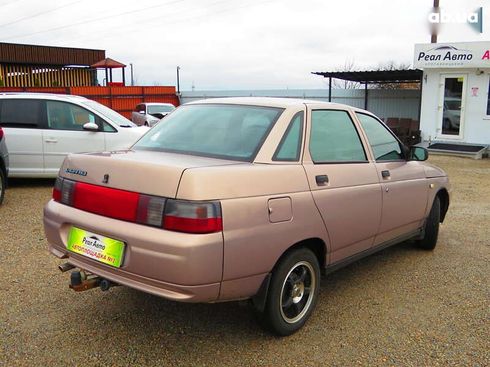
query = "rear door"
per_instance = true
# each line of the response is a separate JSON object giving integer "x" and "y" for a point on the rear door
{"x": 64, "y": 134}
{"x": 404, "y": 185}
{"x": 343, "y": 182}
{"x": 22, "y": 120}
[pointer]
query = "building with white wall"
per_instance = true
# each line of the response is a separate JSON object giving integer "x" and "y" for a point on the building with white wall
{"x": 455, "y": 104}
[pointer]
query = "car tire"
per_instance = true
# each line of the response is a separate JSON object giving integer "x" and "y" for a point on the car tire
{"x": 3, "y": 185}
{"x": 293, "y": 292}
{"x": 431, "y": 228}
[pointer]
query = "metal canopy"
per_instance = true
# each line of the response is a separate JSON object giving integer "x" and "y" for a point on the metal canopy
{"x": 375, "y": 76}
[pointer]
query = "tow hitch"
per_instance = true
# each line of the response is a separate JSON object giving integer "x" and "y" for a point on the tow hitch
{"x": 81, "y": 280}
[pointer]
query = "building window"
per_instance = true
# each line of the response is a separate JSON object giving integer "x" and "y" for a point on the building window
{"x": 488, "y": 99}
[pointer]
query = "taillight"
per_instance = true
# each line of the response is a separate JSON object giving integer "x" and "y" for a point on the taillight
{"x": 64, "y": 191}
{"x": 119, "y": 204}
{"x": 192, "y": 217}
{"x": 1, "y": 133}
{"x": 150, "y": 210}
{"x": 68, "y": 192}
{"x": 173, "y": 215}
{"x": 57, "y": 189}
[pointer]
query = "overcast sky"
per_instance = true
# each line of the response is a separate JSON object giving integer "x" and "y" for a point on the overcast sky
{"x": 236, "y": 44}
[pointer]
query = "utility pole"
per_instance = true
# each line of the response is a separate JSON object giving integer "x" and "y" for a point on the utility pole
{"x": 434, "y": 27}
{"x": 132, "y": 76}
{"x": 178, "y": 80}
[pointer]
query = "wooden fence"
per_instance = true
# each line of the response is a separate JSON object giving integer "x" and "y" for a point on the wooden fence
{"x": 120, "y": 99}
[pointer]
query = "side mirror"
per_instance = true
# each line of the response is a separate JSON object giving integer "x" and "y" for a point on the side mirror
{"x": 91, "y": 126}
{"x": 418, "y": 154}
{"x": 141, "y": 112}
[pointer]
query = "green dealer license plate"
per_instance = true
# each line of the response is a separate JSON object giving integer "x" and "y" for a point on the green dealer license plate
{"x": 103, "y": 249}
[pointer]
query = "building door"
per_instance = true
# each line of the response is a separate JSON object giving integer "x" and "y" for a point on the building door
{"x": 452, "y": 105}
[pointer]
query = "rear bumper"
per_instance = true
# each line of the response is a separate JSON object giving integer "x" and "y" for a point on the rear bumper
{"x": 177, "y": 266}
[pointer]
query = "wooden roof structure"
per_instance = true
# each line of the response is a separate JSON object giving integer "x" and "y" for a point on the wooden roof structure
{"x": 19, "y": 54}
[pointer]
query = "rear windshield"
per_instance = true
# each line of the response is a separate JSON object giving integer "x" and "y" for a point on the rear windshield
{"x": 109, "y": 114}
{"x": 221, "y": 131}
{"x": 160, "y": 108}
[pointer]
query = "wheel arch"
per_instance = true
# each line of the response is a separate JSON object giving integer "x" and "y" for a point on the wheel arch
{"x": 443, "y": 196}
{"x": 314, "y": 244}
{"x": 3, "y": 168}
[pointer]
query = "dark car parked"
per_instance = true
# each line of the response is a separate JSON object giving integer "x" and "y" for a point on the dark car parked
{"x": 4, "y": 165}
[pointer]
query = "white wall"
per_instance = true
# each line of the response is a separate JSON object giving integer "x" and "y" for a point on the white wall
{"x": 476, "y": 129}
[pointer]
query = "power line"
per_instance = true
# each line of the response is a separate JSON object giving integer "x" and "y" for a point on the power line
{"x": 174, "y": 21}
{"x": 38, "y": 14}
{"x": 10, "y": 2}
{"x": 93, "y": 20}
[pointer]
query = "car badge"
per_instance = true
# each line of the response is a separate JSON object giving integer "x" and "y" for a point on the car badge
{"x": 106, "y": 179}
{"x": 76, "y": 171}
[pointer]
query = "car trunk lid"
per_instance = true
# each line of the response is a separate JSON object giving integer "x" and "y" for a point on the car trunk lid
{"x": 147, "y": 172}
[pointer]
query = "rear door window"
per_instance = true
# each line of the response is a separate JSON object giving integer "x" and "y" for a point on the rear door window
{"x": 21, "y": 113}
{"x": 334, "y": 138}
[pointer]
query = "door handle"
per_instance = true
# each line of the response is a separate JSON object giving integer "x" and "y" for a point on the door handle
{"x": 385, "y": 173}
{"x": 51, "y": 140}
{"x": 321, "y": 180}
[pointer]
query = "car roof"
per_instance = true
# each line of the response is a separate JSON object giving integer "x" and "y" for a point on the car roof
{"x": 157, "y": 103}
{"x": 27, "y": 95}
{"x": 273, "y": 102}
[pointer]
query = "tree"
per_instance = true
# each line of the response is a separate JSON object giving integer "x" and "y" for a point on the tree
{"x": 392, "y": 65}
{"x": 349, "y": 65}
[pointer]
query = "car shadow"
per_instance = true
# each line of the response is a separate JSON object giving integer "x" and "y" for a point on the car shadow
{"x": 30, "y": 182}
{"x": 147, "y": 316}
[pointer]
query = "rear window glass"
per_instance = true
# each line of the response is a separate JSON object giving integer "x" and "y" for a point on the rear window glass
{"x": 109, "y": 114}
{"x": 221, "y": 131}
{"x": 23, "y": 113}
{"x": 160, "y": 108}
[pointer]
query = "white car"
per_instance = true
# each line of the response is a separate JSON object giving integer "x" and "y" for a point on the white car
{"x": 452, "y": 113}
{"x": 149, "y": 114}
{"x": 41, "y": 129}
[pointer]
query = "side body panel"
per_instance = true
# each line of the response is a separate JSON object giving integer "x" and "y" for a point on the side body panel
{"x": 59, "y": 143}
{"x": 253, "y": 249}
{"x": 405, "y": 198}
{"x": 25, "y": 148}
{"x": 350, "y": 205}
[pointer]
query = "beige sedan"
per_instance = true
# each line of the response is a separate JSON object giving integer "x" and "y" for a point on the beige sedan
{"x": 243, "y": 198}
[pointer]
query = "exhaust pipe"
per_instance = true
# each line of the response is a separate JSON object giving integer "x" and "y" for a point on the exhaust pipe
{"x": 65, "y": 267}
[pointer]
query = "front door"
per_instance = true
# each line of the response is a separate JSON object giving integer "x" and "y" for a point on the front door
{"x": 65, "y": 134}
{"x": 404, "y": 185}
{"x": 452, "y": 105}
